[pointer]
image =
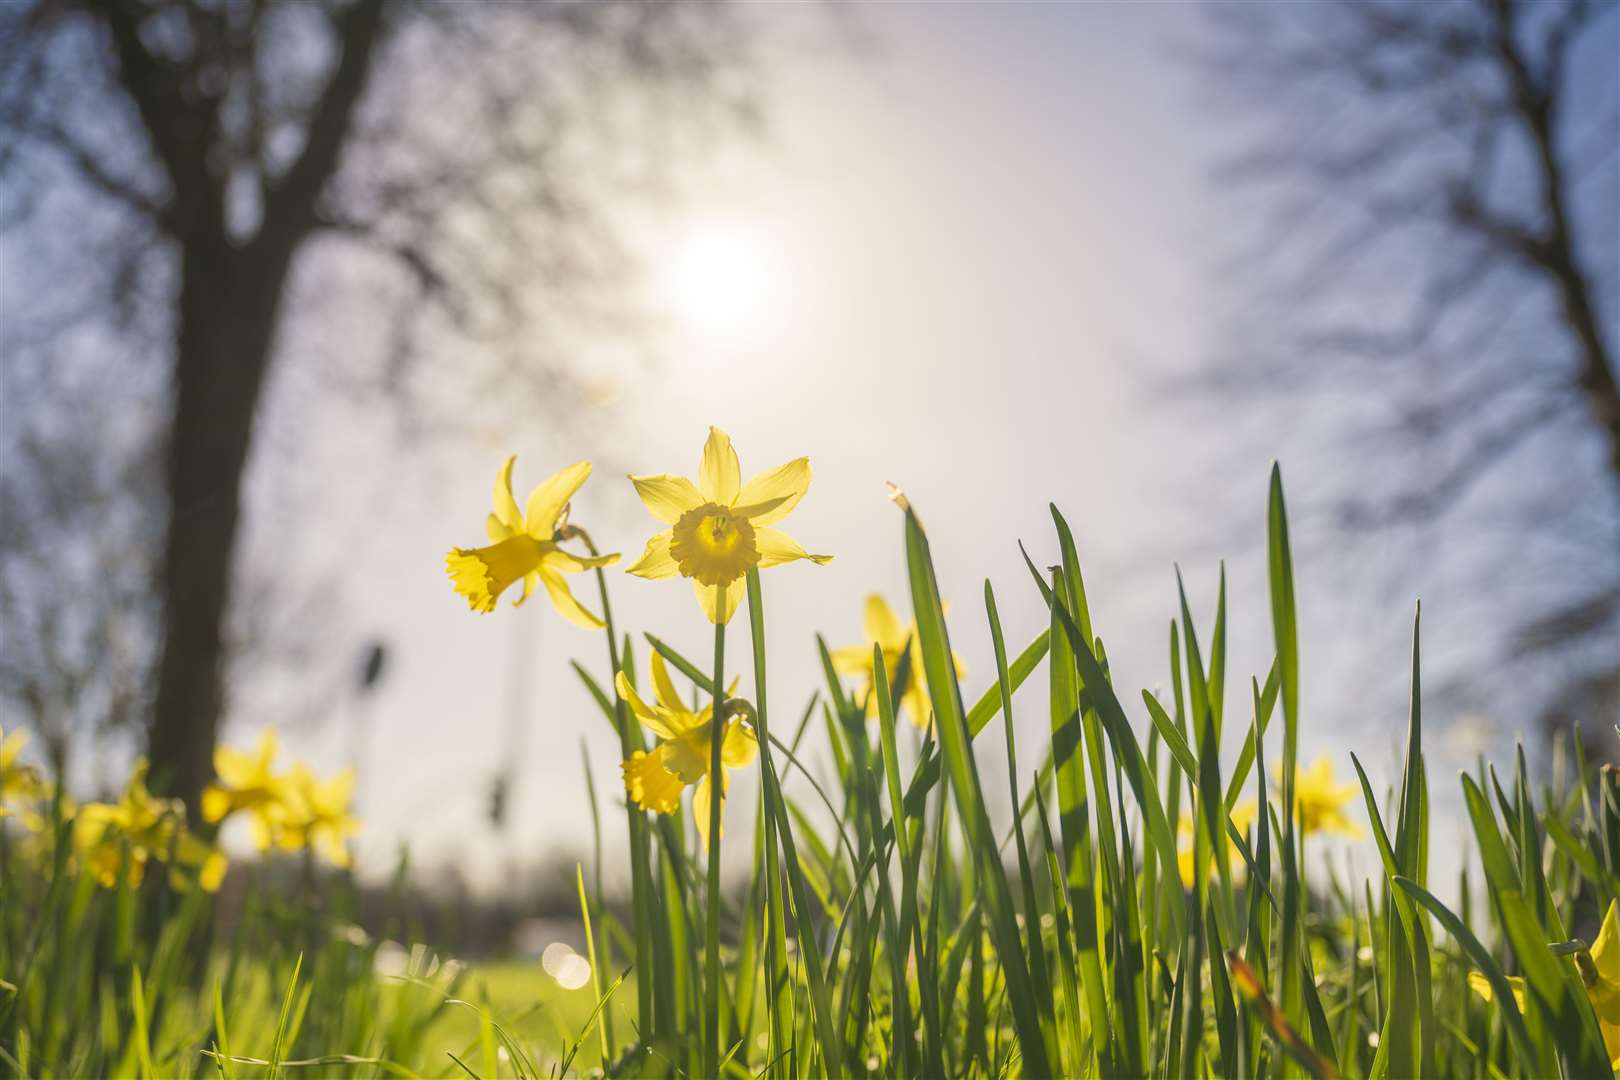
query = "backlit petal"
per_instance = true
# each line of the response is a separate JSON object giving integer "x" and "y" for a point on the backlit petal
{"x": 667, "y": 497}
{"x": 506, "y": 507}
{"x": 708, "y": 597}
{"x": 776, "y": 547}
{"x": 569, "y": 563}
{"x": 741, "y": 745}
{"x": 564, "y": 601}
{"x": 852, "y": 660}
{"x": 719, "y": 475}
{"x": 780, "y": 489}
{"x": 663, "y": 686}
{"x": 496, "y": 530}
{"x": 882, "y": 625}
{"x": 656, "y": 562}
{"x": 548, "y": 498}
{"x": 654, "y": 719}
{"x": 700, "y": 808}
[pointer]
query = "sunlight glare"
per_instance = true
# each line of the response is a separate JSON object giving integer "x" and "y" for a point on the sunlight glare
{"x": 718, "y": 281}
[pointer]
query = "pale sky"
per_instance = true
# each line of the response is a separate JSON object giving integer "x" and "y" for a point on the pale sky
{"x": 959, "y": 264}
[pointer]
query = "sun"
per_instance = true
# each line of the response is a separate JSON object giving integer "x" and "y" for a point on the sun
{"x": 718, "y": 282}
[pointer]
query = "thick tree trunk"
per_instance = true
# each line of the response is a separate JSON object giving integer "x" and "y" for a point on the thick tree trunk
{"x": 229, "y": 301}
{"x": 230, "y": 298}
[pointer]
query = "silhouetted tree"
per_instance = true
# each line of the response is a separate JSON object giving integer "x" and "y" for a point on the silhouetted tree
{"x": 170, "y": 166}
{"x": 1437, "y": 274}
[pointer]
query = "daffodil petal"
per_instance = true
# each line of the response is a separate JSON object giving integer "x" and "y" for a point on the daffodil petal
{"x": 506, "y": 507}
{"x": 548, "y": 498}
{"x": 882, "y": 625}
{"x": 564, "y": 601}
{"x": 496, "y": 530}
{"x": 667, "y": 497}
{"x": 649, "y": 716}
{"x": 664, "y": 686}
{"x": 776, "y": 547}
{"x": 656, "y": 562}
{"x": 740, "y": 747}
{"x": 778, "y": 489}
{"x": 719, "y": 474}
{"x": 529, "y": 581}
{"x": 1606, "y": 949}
{"x": 700, "y": 808}
{"x": 569, "y": 563}
{"x": 852, "y": 660}
{"x": 708, "y": 596}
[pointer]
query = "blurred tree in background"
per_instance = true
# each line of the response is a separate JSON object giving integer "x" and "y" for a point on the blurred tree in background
{"x": 171, "y": 168}
{"x": 1438, "y": 278}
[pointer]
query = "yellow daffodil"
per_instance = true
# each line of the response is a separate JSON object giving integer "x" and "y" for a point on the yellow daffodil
{"x": 884, "y": 630}
{"x": 1321, "y": 801}
{"x": 20, "y": 784}
{"x": 1600, "y": 973}
{"x": 720, "y": 527}
{"x": 123, "y": 836}
{"x": 318, "y": 814}
{"x": 247, "y": 782}
{"x": 654, "y": 779}
{"x": 523, "y": 547}
{"x": 1243, "y": 815}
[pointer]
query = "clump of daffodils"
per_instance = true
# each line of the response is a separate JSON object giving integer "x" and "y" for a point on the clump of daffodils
{"x": 292, "y": 811}
{"x": 116, "y": 840}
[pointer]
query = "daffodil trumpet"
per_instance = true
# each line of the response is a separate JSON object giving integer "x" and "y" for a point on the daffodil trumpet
{"x": 524, "y": 546}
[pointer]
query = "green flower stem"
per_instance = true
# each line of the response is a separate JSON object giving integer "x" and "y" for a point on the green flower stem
{"x": 716, "y": 781}
{"x": 641, "y": 885}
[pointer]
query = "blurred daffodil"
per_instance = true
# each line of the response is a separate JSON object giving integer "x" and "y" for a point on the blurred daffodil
{"x": 883, "y": 629}
{"x": 20, "y": 784}
{"x": 318, "y": 814}
{"x": 1599, "y": 968}
{"x": 247, "y": 782}
{"x": 122, "y": 837}
{"x": 1321, "y": 801}
{"x": 654, "y": 779}
{"x": 1243, "y": 815}
{"x": 523, "y": 547}
{"x": 719, "y": 528}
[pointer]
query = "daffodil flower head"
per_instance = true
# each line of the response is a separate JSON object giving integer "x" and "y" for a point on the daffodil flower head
{"x": 883, "y": 629}
{"x": 318, "y": 815}
{"x": 654, "y": 779}
{"x": 1320, "y": 801}
{"x": 524, "y": 547}
{"x": 249, "y": 784}
{"x": 719, "y": 528}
